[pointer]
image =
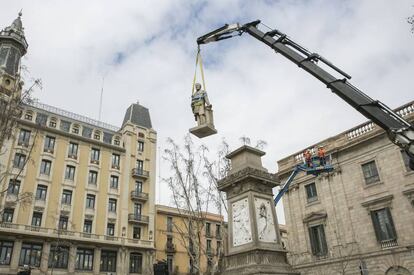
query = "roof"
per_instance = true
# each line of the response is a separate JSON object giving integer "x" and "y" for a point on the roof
{"x": 138, "y": 115}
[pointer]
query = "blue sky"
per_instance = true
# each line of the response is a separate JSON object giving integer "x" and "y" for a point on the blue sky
{"x": 146, "y": 50}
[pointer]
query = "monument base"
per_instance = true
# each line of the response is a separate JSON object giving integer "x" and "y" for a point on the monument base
{"x": 204, "y": 130}
{"x": 257, "y": 262}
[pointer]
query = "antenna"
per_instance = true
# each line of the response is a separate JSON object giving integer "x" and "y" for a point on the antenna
{"x": 100, "y": 100}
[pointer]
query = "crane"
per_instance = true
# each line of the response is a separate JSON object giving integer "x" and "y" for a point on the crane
{"x": 399, "y": 131}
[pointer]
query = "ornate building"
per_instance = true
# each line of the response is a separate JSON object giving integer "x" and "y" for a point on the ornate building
{"x": 172, "y": 242}
{"x": 77, "y": 194}
{"x": 358, "y": 219}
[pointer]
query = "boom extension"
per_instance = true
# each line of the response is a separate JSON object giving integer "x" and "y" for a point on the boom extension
{"x": 399, "y": 131}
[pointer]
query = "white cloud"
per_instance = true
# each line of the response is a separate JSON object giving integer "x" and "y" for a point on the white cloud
{"x": 254, "y": 91}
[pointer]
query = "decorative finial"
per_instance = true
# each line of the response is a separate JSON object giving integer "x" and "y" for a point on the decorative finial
{"x": 138, "y": 102}
{"x": 21, "y": 13}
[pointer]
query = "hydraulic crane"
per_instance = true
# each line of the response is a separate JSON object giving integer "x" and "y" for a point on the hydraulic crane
{"x": 399, "y": 131}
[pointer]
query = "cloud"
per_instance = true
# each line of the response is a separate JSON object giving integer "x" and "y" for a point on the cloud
{"x": 146, "y": 51}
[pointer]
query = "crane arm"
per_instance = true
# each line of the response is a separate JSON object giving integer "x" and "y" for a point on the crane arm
{"x": 399, "y": 130}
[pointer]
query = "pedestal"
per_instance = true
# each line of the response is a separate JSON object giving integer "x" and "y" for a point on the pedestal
{"x": 254, "y": 242}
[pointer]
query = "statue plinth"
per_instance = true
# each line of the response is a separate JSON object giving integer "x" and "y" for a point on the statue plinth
{"x": 254, "y": 243}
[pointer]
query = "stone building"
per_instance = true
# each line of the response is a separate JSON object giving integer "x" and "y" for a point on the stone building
{"x": 360, "y": 218}
{"x": 172, "y": 242}
{"x": 93, "y": 185}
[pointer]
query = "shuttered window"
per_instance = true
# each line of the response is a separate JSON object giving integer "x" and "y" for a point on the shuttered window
{"x": 383, "y": 225}
{"x": 318, "y": 241}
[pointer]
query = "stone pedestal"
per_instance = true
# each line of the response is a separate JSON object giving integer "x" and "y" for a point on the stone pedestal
{"x": 254, "y": 242}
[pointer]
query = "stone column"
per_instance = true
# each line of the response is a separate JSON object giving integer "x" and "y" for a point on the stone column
{"x": 45, "y": 257}
{"x": 72, "y": 259}
{"x": 254, "y": 242}
{"x": 14, "y": 264}
{"x": 97, "y": 260}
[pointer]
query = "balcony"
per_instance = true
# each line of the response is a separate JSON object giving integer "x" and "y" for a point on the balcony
{"x": 49, "y": 150}
{"x": 137, "y": 195}
{"x": 170, "y": 248}
{"x": 389, "y": 243}
{"x": 23, "y": 143}
{"x": 136, "y": 218}
{"x": 139, "y": 173}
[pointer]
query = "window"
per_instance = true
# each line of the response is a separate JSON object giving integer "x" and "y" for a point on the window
{"x": 45, "y": 167}
{"x": 70, "y": 172}
{"x": 115, "y": 161}
{"x": 65, "y": 126}
{"x": 84, "y": 259}
{"x": 137, "y": 209}
{"x": 37, "y": 219}
{"x": 6, "y": 251}
{"x": 406, "y": 160}
{"x": 112, "y": 205}
{"x": 86, "y": 132}
{"x": 141, "y": 135}
{"x": 93, "y": 177}
{"x": 90, "y": 201}
{"x": 135, "y": 263}
{"x": 208, "y": 246}
{"x": 208, "y": 229}
{"x": 97, "y": 135}
{"x": 140, "y": 166}
{"x": 169, "y": 224}
{"x": 218, "y": 247}
{"x": 66, "y": 197}
{"x": 114, "y": 182}
{"x": 58, "y": 256}
{"x": 75, "y": 129}
{"x": 318, "y": 241}
{"x": 110, "y": 229}
{"x": 41, "y": 192}
{"x": 41, "y": 119}
{"x": 107, "y": 137}
{"x": 108, "y": 261}
{"x": 8, "y": 214}
{"x": 24, "y": 137}
{"x": 138, "y": 186}
{"x": 63, "y": 222}
{"x": 14, "y": 187}
{"x": 218, "y": 231}
{"x": 19, "y": 160}
{"x": 28, "y": 116}
{"x": 140, "y": 146}
{"x": 136, "y": 233}
{"x": 73, "y": 150}
{"x": 52, "y": 123}
{"x": 311, "y": 193}
{"x": 116, "y": 141}
{"x": 95, "y": 155}
{"x": 383, "y": 225}
{"x": 30, "y": 254}
{"x": 49, "y": 144}
{"x": 87, "y": 226}
{"x": 370, "y": 172}
{"x": 170, "y": 262}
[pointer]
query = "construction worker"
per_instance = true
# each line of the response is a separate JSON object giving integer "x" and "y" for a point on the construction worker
{"x": 200, "y": 105}
{"x": 308, "y": 158}
{"x": 321, "y": 156}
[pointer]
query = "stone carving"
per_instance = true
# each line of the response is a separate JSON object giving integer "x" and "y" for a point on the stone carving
{"x": 242, "y": 233}
{"x": 265, "y": 223}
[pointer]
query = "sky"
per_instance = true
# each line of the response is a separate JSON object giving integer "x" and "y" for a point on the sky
{"x": 145, "y": 51}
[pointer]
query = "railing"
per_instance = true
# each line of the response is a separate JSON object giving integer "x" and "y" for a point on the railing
{"x": 138, "y": 218}
{"x": 48, "y": 150}
{"x": 360, "y": 130}
{"x": 389, "y": 243}
{"x": 139, "y": 195}
{"x": 136, "y": 172}
{"x": 63, "y": 233}
{"x": 71, "y": 115}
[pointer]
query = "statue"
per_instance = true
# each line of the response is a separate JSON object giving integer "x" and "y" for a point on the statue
{"x": 201, "y": 106}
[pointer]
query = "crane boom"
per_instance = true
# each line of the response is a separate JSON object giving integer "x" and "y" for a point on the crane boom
{"x": 399, "y": 130}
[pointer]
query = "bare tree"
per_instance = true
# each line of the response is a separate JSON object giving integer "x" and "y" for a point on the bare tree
{"x": 194, "y": 193}
{"x": 11, "y": 107}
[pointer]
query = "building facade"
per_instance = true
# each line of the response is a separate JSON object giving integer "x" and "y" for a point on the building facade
{"x": 173, "y": 245}
{"x": 359, "y": 219}
{"x": 78, "y": 194}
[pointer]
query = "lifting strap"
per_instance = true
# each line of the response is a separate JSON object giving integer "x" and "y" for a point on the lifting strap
{"x": 198, "y": 61}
